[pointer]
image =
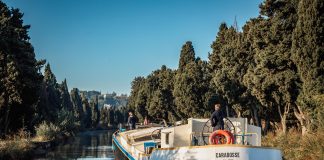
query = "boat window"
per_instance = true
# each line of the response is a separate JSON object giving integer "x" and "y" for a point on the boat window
{"x": 167, "y": 138}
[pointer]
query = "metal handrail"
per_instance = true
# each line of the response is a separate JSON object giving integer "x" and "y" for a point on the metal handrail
{"x": 248, "y": 134}
{"x": 197, "y": 133}
{"x": 235, "y": 135}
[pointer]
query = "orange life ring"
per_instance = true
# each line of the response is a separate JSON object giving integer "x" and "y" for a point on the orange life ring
{"x": 232, "y": 136}
{"x": 214, "y": 137}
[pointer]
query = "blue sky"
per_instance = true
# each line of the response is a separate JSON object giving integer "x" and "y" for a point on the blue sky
{"x": 103, "y": 44}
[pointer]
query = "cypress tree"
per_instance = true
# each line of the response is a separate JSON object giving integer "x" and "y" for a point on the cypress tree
{"x": 159, "y": 89}
{"x": 137, "y": 99}
{"x": 111, "y": 116}
{"x": 214, "y": 57}
{"x": 308, "y": 56}
{"x": 86, "y": 119}
{"x": 187, "y": 89}
{"x": 273, "y": 79}
{"x": 187, "y": 55}
{"x": 77, "y": 104}
{"x": 65, "y": 97}
{"x": 19, "y": 79}
{"x": 53, "y": 96}
{"x": 95, "y": 115}
{"x": 230, "y": 61}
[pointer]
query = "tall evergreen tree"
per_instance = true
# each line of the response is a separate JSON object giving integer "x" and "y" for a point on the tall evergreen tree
{"x": 137, "y": 99}
{"x": 95, "y": 115}
{"x": 111, "y": 116}
{"x": 187, "y": 55}
{"x": 77, "y": 104}
{"x": 214, "y": 57}
{"x": 49, "y": 76}
{"x": 19, "y": 80}
{"x": 159, "y": 87}
{"x": 273, "y": 79}
{"x": 230, "y": 60}
{"x": 86, "y": 119}
{"x": 104, "y": 116}
{"x": 308, "y": 55}
{"x": 65, "y": 97}
{"x": 53, "y": 96}
{"x": 187, "y": 89}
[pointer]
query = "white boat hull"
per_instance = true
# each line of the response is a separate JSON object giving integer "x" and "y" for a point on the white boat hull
{"x": 217, "y": 152}
{"x": 209, "y": 152}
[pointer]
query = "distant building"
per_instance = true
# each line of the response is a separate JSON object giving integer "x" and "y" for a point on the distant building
{"x": 106, "y": 106}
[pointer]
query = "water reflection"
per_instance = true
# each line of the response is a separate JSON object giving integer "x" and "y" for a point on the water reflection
{"x": 86, "y": 145}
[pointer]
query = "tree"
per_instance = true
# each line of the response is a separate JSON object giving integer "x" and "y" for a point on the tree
{"x": 229, "y": 61}
{"x": 159, "y": 87}
{"x": 65, "y": 97}
{"x": 187, "y": 85}
{"x": 52, "y": 95}
{"x": 137, "y": 99}
{"x": 87, "y": 114}
{"x": 77, "y": 104}
{"x": 187, "y": 55}
{"x": 111, "y": 116}
{"x": 20, "y": 80}
{"x": 214, "y": 57}
{"x": 95, "y": 114}
{"x": 308, "y": 55}
{"x": 272, "y": 80}
{"x": 104, "y": 116}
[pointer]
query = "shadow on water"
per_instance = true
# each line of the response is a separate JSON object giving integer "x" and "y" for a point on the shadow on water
{"x": 85, "y": 145}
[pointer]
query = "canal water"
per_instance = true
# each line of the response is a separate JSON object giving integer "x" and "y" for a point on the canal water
{"x": 84, "y": 146}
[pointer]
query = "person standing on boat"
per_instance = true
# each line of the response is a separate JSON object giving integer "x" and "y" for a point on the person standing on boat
{"x": 217, "y": 118}
{"x": 131, "y": 121}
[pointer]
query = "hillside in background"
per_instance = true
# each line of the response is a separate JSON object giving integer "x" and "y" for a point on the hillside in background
{"x": 107, "y": 99}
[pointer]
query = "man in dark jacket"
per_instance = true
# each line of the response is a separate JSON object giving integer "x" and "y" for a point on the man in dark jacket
{"x": 131, "y": 121}
{"x": 217, "y": 118}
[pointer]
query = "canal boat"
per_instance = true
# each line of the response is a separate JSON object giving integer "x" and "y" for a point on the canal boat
{"x": 194, "y": 140}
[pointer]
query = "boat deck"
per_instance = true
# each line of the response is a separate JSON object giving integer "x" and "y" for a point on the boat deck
{"x": 133, "y": 140}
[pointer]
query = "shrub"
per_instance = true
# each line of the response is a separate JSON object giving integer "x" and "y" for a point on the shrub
{"x": 295, "y": 146}
{"x": 16, "y": 146}
{"x": 46, "y": 131}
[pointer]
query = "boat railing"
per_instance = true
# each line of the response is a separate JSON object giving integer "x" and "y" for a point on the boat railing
{"x": 244, "y": 135}
{"x": 198, "y": 138}
{"x": 115, "y": 133}
{"x": 144, "y": 156}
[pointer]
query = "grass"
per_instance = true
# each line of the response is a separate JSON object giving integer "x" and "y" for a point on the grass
{"x": 294, "y": 146}
{"x": 21, "y": 145}
{"x": 16, "y": 146}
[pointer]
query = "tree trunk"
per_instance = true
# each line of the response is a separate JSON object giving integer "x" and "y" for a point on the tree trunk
{"x": 283, "y": 117}
{"x": 267, "y": 125}
{"x": 7, "y": 112}
{"x": 284, "y": 124}
{"x": 257, "y": 120}
{"x": 6, "y": 96}
{"x": 302, "y": 119}
{"x": 239, "y": 114}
